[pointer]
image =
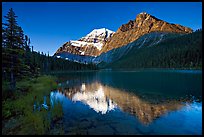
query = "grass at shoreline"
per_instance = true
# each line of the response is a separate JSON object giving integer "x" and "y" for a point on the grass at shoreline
{"x": 19, "y": 109}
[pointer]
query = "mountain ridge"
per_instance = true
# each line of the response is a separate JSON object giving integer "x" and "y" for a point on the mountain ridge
{"x": 143, "y": 24}
{"x": 100, "y": 41}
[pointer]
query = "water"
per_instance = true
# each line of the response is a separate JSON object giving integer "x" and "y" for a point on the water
{"x": 131, "y": 102}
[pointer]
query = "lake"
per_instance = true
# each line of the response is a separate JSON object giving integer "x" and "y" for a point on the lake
{"x": 147, "y": 102}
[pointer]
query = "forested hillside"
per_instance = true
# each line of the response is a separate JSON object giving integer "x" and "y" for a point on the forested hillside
{"x": 183, "y": 52}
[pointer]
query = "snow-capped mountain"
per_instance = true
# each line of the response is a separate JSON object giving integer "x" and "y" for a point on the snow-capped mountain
{"x": 89, "y": 45}
{"x": 103, "y": 45}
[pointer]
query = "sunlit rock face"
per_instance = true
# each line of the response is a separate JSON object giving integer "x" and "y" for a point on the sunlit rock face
{"x": 143, "y": 24}
{"x": 103, "y": 99}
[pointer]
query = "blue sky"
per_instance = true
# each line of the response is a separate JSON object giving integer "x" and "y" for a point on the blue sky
{"x": 51, "y": 24}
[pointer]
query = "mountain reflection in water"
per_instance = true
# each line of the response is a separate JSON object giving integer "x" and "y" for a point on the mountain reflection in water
{"x": 130, "y": 102}
{"x": 103, "y": 99}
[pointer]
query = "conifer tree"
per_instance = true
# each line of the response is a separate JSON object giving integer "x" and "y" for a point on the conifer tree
{"x": 10, "y": 44}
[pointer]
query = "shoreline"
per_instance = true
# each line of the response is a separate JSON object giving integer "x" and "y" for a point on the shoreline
{"x": 130, "y": 70}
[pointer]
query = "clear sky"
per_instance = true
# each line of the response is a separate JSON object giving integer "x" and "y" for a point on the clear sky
{"x": 51, "y": 24}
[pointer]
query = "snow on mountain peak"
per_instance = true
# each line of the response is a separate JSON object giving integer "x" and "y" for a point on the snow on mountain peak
{"x": 100, "y": 32}
{"x": 95, "y": 38}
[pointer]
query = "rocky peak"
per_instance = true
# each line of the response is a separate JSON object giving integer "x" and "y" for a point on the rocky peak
{"x": 143, "y": 24}
{"x": 142, "y": 16}
{"x": 140, "y": 19}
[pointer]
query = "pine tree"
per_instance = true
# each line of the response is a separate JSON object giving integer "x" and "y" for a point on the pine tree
{"x": 10, "y": 43}
{"x": 12, "y": 49}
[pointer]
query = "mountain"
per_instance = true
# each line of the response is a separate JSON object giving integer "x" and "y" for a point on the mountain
{"x": 103, "y": 46}
{"x": 113, "y": 55}
{"x": 90, "y": 45}
{"x": 143, "y": 24}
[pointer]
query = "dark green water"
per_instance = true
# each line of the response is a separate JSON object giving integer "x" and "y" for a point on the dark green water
{"x": 131, "y": 102}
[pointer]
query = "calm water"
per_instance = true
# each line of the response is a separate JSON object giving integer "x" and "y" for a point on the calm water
{"x": 131, "y": 102}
